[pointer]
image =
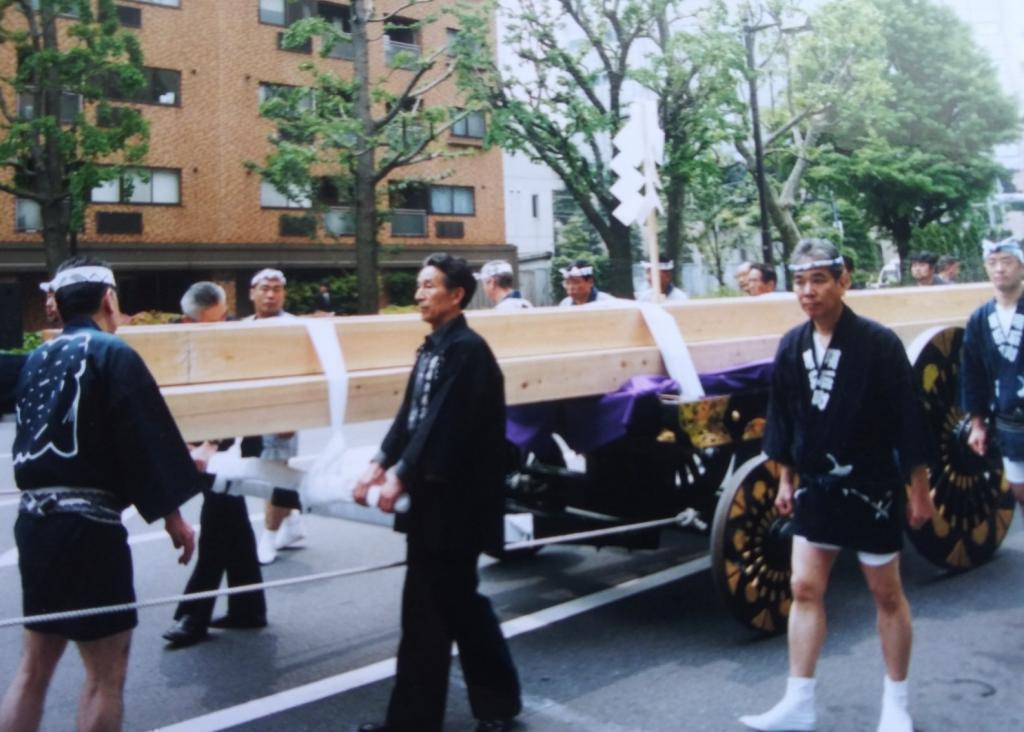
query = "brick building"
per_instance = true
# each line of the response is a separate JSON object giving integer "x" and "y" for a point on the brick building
{"x": 201, "y": 214}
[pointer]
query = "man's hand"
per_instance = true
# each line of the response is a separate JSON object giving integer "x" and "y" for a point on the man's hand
{"x": 181, "y": 535}
{"x": 390, "y": 492}
{"x": 978, "y": 438}
{"x": 784, "y": 498}
{"x": 374, "y": 475}
{"x": 920, "y": 507}
{"x": 202, "y": 453}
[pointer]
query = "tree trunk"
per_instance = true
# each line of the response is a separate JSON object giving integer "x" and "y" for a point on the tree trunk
{"x": 675, "y": 207}
{"x": 620, "y": 270}
{"x": 902, "y": 230}
{"x": 365, "y": 180}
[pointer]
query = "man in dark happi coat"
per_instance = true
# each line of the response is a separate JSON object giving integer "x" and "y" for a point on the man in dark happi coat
{"x": 93, "y": 436}
{"x": 447, "y": 450}
{"x": 992, "y": 372}
{"x": 847, "y": 430}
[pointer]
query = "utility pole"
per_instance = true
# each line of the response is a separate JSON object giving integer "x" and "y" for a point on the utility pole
{"x": 766, "y": 233}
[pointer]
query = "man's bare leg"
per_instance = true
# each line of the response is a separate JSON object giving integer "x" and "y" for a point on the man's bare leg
{"x": 22, "y": 706}
{"x": 1018, "y": 492}
{"x": 101, "y": 707}
{"x": 811, "y": 568}
{"x": 896, "y": 634}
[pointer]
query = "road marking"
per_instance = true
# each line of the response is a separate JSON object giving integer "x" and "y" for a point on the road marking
{"x": 10, "y": 557}
{"x": 290, "y": 698}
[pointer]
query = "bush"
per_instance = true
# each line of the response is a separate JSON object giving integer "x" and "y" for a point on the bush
{"x": 300, "y": 295}
{"x": 30, "y": 340}
{"x": 400, "y": 287}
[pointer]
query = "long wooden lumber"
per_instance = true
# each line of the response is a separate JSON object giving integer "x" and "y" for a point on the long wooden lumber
{"x": 216, "y": 409}
{"x": 197, "y": 354}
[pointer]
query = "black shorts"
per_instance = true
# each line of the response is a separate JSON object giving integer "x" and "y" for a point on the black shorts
{"x": 864, "y": 518}
{"x": 284, "y": 498}
{"x": 69, "y": 562}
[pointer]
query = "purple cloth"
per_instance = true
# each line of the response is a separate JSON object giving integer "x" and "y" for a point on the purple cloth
{"x": 587, "y": 423}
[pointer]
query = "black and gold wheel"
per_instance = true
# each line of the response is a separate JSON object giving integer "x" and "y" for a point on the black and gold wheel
{"x": 974, "y": 505}
{"x": 751, "y": 546}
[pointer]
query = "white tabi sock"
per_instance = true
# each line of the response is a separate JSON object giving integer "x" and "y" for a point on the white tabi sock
{"x": 794, "y": 713}
{"x": 895, "y": 717}
{"x": 266, "y": 549}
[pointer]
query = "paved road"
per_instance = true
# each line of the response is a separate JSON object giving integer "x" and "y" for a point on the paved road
{"x": 607, "y": 641}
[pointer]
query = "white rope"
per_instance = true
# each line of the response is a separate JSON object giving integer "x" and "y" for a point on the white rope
{"x": 174, "y": 599}
{"x": 689, "y": 517}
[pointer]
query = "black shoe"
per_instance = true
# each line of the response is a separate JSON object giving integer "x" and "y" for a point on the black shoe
{"x": 495, "y": 725}
{"x": 186, "y": 631}
{"x": 373, "y": 727}
{"x": 239, "y": 622}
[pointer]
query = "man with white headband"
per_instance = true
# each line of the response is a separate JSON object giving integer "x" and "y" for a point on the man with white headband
{"x": 842, "y": 406}
{"x": 93, "y": 436}
{"x": 992, "y": 372}
{"x": 281, "y": 525}
{"x": 671, "y": 293}
{"x": 498, "y": 283}
{"x": 52, "y": 316}
{"x": 578, "y": 281}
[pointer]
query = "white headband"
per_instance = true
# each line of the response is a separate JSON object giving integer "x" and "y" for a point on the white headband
{"x": 77, "y": 275}
{"x": 815, "y": 264}
{"x": 1010, "y": 246}
{"x": 577, "y": 271}
{"x": 493, "y": 269}
{"x": 663, "y": 266}
{"x": 267, "y": 274}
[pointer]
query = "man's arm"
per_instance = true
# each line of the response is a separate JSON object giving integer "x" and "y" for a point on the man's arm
{"x": 975, "y": 393}
{"x": 920, "y": 507}
{"x": 181, "y": 535}
{"x": 784, "y": 498}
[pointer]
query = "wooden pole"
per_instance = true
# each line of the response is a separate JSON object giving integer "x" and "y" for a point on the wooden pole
{"x": 651, "y": 240}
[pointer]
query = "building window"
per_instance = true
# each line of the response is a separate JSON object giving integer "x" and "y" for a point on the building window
{"x": 474, "y": 124}
{"x": 401, "y": 42}
{"x": 409, "y": 205}
{"x": 141, "y": 186}
{"x": 70, "y": 12}
{"x": 284, "y": 12}
{"x": 271, "y": 197}
{"x": 340, "y": 221}
{"x": 118, "y": 222}
{"x": 535, "y": 205}
{"x": 27, "y": 215}
{"x": 340, "y": 17}
{"x": 456, "y": 200}
{"x": 70, "y": 106}
{"x": 128, "y": 17}
{"x": 165, "y": 3}
{"x": 162, "y": 86}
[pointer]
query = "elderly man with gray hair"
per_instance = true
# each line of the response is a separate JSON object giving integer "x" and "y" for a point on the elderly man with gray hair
{"x": 497, "y": 280}
{"x": 204, "y": 302}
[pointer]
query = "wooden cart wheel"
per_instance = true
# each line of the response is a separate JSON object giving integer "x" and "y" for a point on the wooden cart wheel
{"x": 973, "y": 501}
{"x": 751, "y": 546}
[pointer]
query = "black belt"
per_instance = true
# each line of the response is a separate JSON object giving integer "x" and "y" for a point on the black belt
{"x": 90, "y": 503}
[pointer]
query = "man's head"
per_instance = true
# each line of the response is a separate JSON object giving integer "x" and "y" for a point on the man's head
{"x": 204, "y": 302}
{"x": 820, "y": 278}
{"x": 1004, "y": 264}
{"x": 948, "y": 267}
{"x": 922, "y": 267}
{"x": 444, "y": 288}
{"x": 578, "y": 281}
{"x": 52, "y": 314}
{"x": 761, "y": 279}
{"x": 267, "y": 290}
{"x": 666, "y": 268}
{"x": 496, "y": 279}
{"x": 85, "y": 287}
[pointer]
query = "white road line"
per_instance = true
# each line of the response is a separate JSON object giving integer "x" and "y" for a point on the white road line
{"x": 289, "y": 699}
{"x": 10, "y": 557}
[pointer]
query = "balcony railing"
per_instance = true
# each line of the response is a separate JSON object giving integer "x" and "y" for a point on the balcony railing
{"x": 408, "y": 222}
{"x": 407, "y": 54}
{"x": 340, "y": 221}
{"x": 342, "y": 48}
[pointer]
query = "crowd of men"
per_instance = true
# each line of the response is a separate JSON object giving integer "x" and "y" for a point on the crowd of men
{"x": 93, "y": 436}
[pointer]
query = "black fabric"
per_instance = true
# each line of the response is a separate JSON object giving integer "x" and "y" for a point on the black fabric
{"x": 990, "y": 378}
{"x": 227, "y": 546}
{"x": 854, "y": 455}
{"x": 285, "y": 498}
{"x": 452, "y": 458}
{"x": 440, "y": 604}
{"x": 68, "y": 562}
{"x": 91, "y": 415}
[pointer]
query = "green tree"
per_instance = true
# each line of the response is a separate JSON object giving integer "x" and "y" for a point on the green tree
{"x": 341, "y": 136}
{"x": 722, "y": 202}
{"x": 59, "y": 135}
{"x": 928, "y": 157}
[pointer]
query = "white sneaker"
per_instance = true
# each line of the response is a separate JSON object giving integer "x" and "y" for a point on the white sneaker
{"x": 795, "y": 713}
{"x": 895, "y": 719}
{"x": 291, "y": 531}
{"x": 266, "y": 551}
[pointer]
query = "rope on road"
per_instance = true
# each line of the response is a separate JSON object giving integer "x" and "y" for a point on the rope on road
{"x": 689, "y": 517}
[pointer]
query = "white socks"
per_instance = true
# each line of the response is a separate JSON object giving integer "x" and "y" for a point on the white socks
{"x": 795, "y": 713}
{"x": 895, "y": 717}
